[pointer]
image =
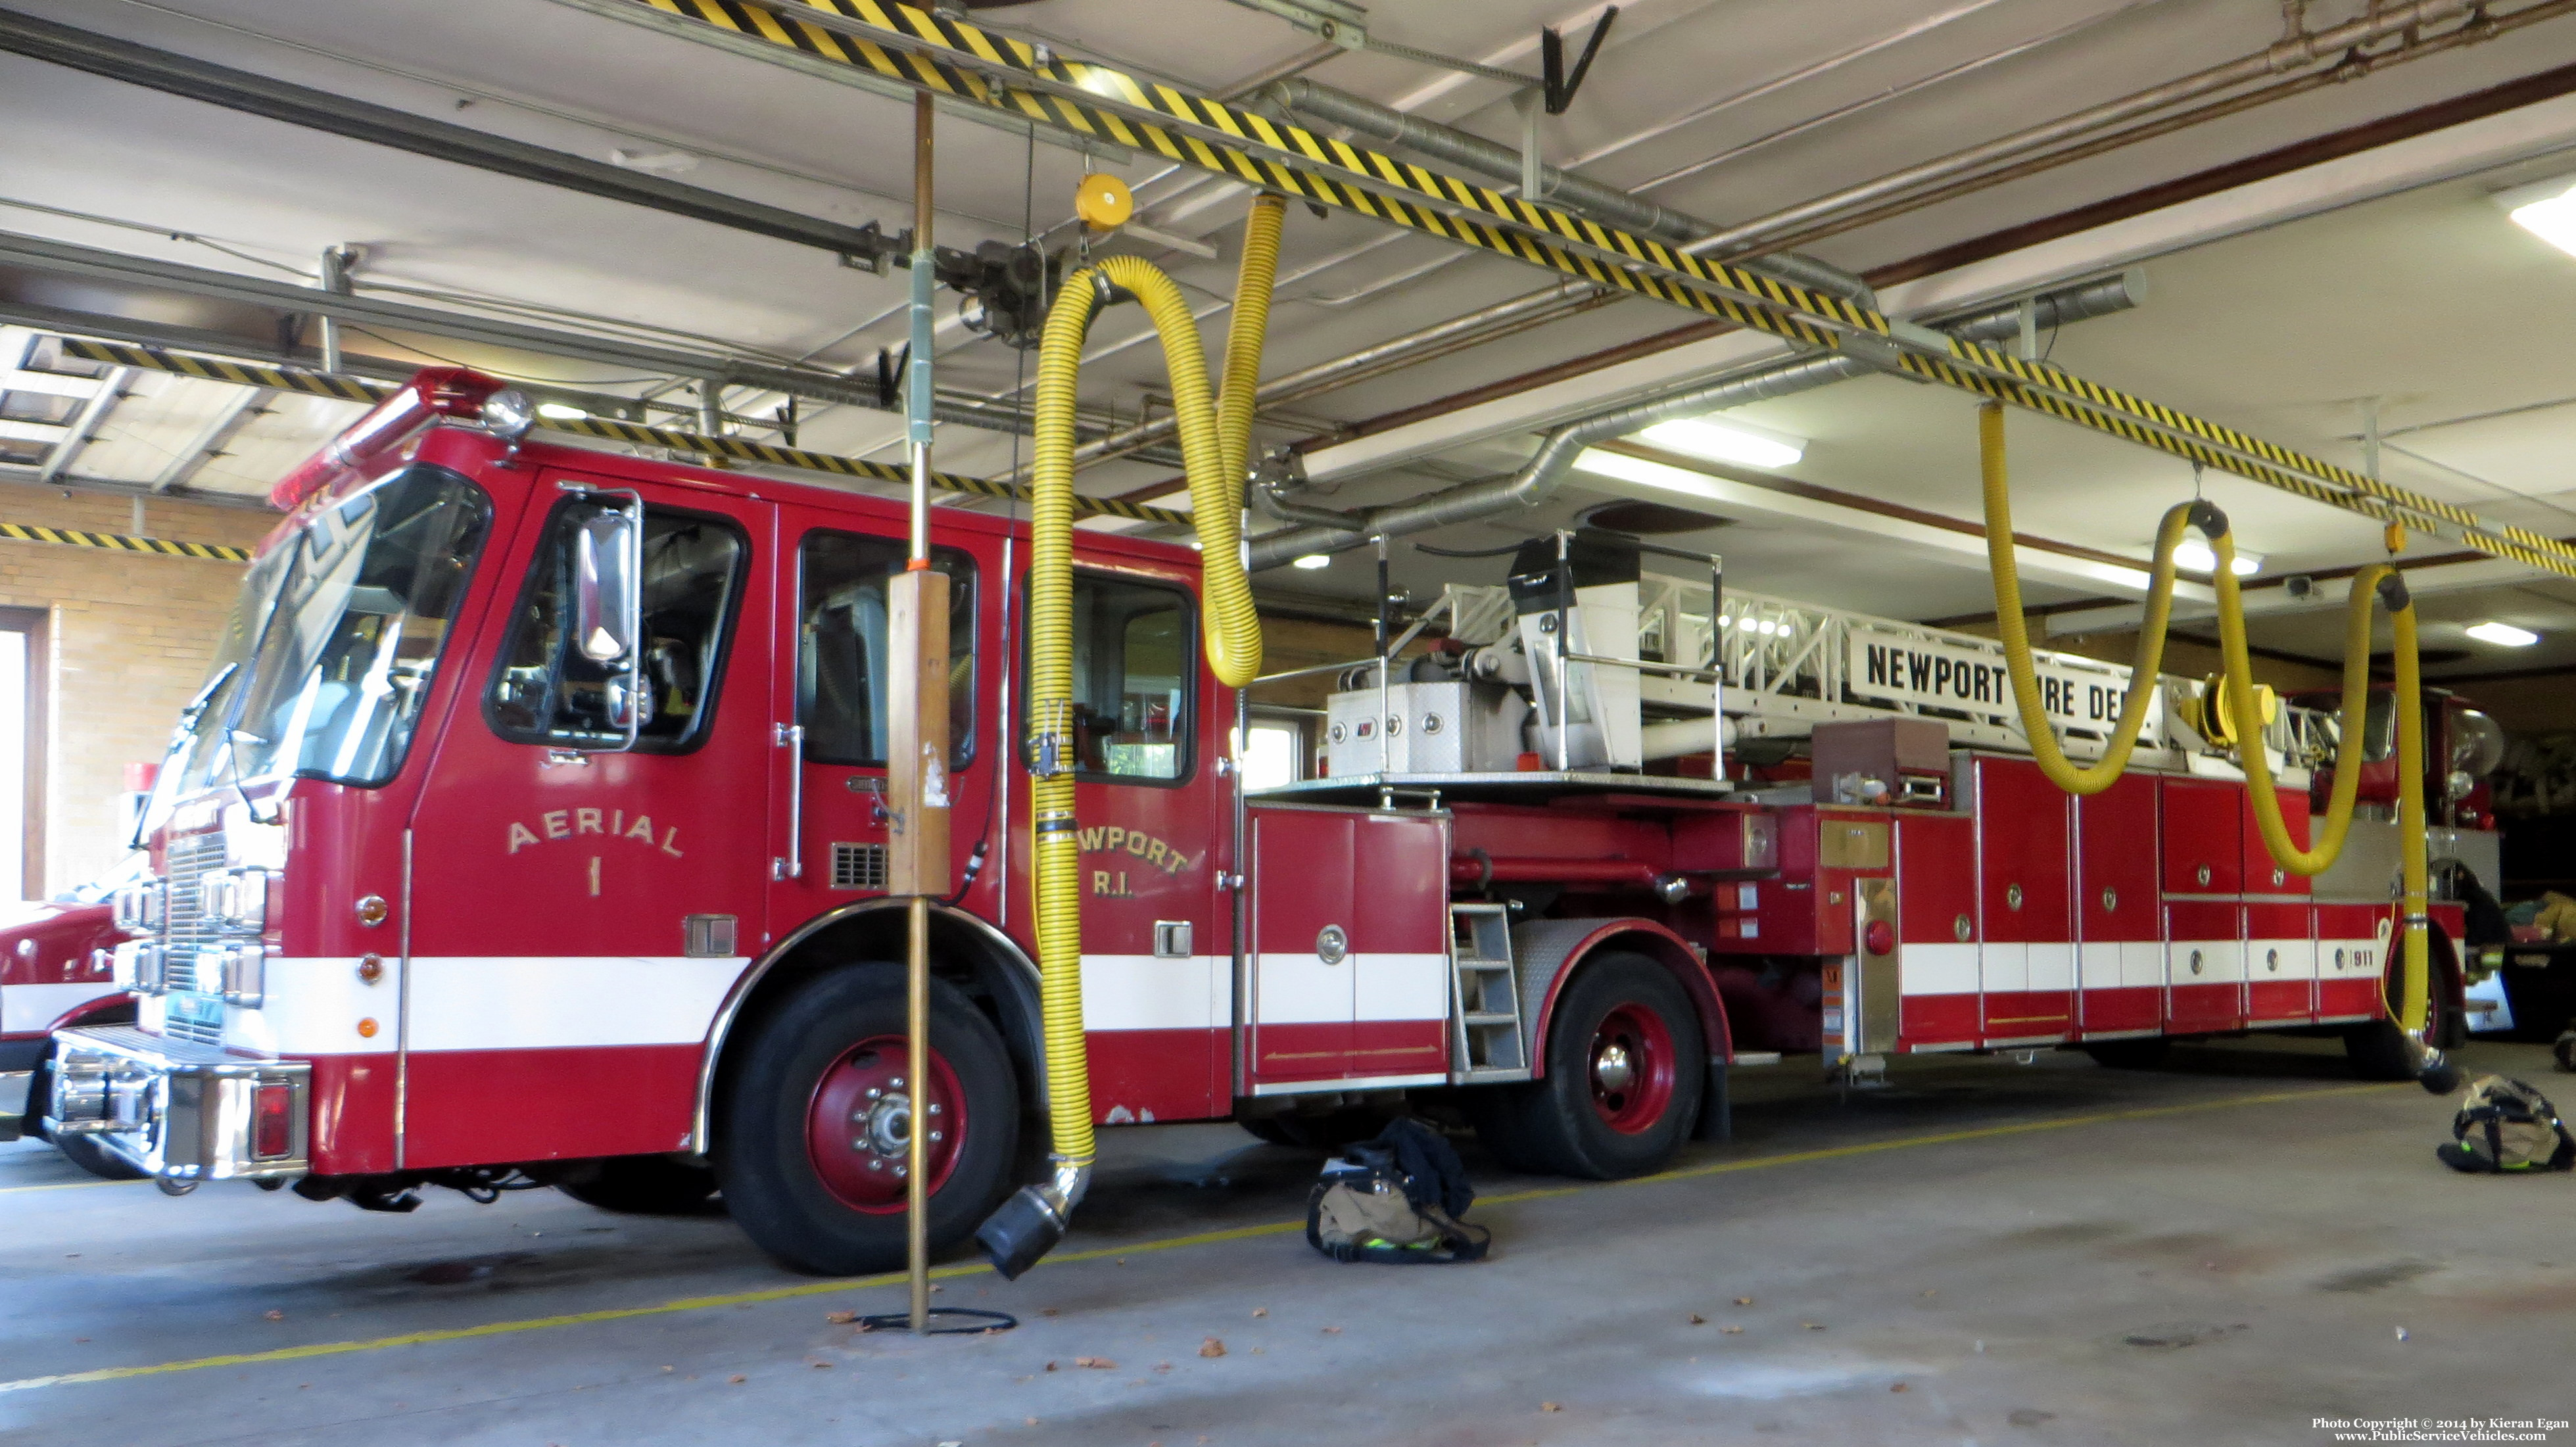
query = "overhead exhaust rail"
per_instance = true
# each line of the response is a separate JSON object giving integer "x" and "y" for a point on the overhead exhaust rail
{"x": 1575, "y": 192}
{"x": 950, "y": 57}
{"x": 1324, "y": 531}
{"x": 346, "y": 388}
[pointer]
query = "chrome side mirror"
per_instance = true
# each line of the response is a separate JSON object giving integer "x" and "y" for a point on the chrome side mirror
{"x": 607, "y": 591}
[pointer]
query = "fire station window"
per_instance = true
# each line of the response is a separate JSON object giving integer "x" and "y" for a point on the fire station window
{"x": 841, "y": 694}
{"x": 547, "y": 691}
{"x": 1134, "y": 658}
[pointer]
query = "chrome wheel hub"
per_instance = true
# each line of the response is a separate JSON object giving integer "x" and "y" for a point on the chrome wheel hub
{"x": 1612, "y": 1069}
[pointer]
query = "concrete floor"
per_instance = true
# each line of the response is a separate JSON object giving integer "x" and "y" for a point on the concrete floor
{"x": 2045, "y": 1254}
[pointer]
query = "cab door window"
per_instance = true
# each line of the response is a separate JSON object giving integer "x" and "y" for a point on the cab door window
{"x": 841, "y": 682}
{"x": 1134, "y": 664}
{"x": 547, "y": 691}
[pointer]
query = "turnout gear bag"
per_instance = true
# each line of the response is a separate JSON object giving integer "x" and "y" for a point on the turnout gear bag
{"x": 2507, "y": 1126}
{"x": 1396, "y": 1198}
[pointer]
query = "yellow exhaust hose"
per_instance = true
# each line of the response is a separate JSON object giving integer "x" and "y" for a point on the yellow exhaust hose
{"x": 2378, "y": 582}
{"x": 2014, "y": 630}
{"x": 1216, "y": 435}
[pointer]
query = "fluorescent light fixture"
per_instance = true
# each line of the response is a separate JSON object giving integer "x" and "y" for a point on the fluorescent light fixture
{"x": 1311, "y": 561}
{"x": 560, "y": 411}
{"x": 2502, "y": 635}
{"x": 2546, "y": 209}
{"x": 1637, "y": 469}
{"x": 2197, "y": 557}
{"x": 1726, "y": 442}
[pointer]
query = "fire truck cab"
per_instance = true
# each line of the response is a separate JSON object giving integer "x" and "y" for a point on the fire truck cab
{"x": 456, "y": 886}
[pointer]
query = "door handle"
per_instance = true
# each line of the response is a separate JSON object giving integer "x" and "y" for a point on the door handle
{"x": 791, "y": 737}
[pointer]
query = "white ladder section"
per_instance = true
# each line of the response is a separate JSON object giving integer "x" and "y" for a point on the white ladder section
{"x": 1486, "y": 1041}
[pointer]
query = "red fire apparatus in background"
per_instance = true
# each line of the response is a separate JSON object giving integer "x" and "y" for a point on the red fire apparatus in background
{"x": 442, "y": 899}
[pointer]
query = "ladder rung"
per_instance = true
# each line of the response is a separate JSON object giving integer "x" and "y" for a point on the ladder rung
{"x": 1484, "y": 1018}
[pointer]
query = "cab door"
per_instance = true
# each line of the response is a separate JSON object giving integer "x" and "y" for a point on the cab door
{"x": 580, "y": 908}
{"x": 1157, "y": 957}
{"x": 832, "y": 684}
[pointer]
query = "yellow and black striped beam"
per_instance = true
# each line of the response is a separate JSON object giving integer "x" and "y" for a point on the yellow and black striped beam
{"x": 124, "y": 543}
{"x": 740, "y": 449}
{"x": 935, "y": 53}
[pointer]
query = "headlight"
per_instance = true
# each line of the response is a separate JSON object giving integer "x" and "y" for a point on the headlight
{"x": 244, "y": 972}
{"x": 137, "y": 907}
{"x": 237, "y": 901}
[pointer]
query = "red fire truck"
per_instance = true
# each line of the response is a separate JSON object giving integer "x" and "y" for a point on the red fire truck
{"x": 446, "y": 895}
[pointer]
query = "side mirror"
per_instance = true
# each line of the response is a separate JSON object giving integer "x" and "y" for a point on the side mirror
{"x": 607, "y": 587}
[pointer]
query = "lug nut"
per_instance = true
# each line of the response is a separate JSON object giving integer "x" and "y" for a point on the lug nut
{"x": 934, "y": 1135}
{"x": 896, "y": 1083}
{"x": 934, "y": 1108}
{"x": 876, "y": 1165}
{"x": 899, "y": 1171}
{"x": 873, "y": 1092}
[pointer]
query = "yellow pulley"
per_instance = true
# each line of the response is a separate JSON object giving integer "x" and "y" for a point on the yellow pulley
{"x": 1103, "y": 201}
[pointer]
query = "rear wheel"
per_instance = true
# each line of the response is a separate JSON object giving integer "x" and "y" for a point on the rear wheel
{"x": 814, "y": 1156}
{"x": 643, "y": 1186}
{"x": 2378, "y": 1049}
{"x": 1626, "y": 1065}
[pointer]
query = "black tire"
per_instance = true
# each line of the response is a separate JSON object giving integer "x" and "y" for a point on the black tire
{"x": 2378, "y": 1049}
{"x": 770, "y": 1178}
{"x": 2144, "y": 1053}
{"x": 1562, "y": 1124}
{"x": 644, "y": 1186}
{"x": 80, "y": 1150}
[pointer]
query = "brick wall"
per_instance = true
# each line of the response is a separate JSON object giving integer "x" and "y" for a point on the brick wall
{"x": 131, "y": 635}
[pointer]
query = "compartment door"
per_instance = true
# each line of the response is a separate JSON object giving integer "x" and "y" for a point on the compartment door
{"x": 1399, "y": 962}
{"x": 2204, "y": 967}
{"x": 2026, "y": 955}
{"x": 2204, "y": 828}
{"x": 2120, "y": 963}
{"x": 1300, "y": 964}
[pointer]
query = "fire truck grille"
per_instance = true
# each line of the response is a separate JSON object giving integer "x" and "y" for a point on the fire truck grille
{"x": 188, "y": 932}
{"x": 859, "y": 866}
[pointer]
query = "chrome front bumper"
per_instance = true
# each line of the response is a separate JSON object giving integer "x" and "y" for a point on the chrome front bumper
{"x": 176, "y": 1110}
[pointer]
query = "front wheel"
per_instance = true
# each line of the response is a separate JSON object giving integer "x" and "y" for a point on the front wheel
{"x": 1626, "y": 1065}
{"x": 818, "y": 1123}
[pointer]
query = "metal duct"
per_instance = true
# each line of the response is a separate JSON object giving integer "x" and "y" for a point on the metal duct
{"x": 1562, "y": 188}
{"x": 1322, "y": 531}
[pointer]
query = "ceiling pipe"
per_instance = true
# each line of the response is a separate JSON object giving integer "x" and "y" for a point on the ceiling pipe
{"x": 1320, "y": 530}
{"x": 2351, "y": 68}
{"x": 1604, "y": 203}
{"x": 2296, "y": 52}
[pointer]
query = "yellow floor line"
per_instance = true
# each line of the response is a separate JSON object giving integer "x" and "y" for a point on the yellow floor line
{"x": 66, "y": 1186}
{"x": 1169, "y": 1243}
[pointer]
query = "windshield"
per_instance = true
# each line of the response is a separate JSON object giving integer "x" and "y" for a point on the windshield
{"x": 327, "y": 657}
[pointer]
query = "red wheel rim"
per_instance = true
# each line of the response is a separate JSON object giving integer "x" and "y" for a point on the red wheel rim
{"x": 858, "y": 1122}
{"x": 1630, "y": 1066}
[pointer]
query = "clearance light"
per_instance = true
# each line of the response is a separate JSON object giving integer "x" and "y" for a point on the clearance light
{"x": 2502, "y": 635}
{"x": 2199, "y": 559}
{"x": 1726, "y": 442}
{"x": 560, "y": 412}
{"x": 1311, "y": 561}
